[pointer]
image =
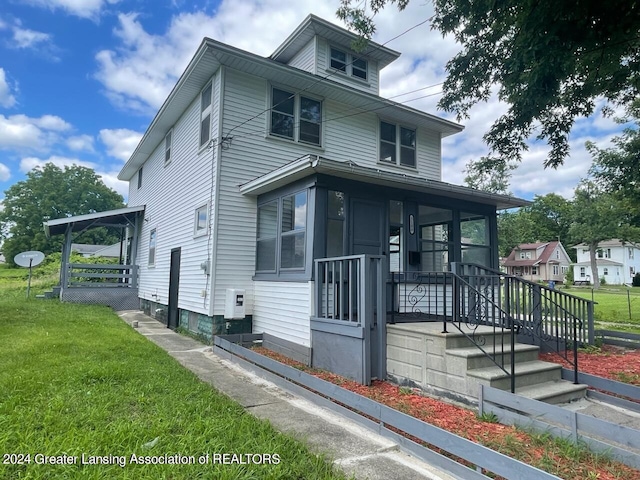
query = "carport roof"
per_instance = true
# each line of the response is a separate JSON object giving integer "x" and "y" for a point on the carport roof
{"x": 111, "y": 218}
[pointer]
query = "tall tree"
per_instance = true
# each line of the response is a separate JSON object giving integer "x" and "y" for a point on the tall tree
{"x": 48, "y": 193}
{"x": 550, "y": 60}
{"x": 598, "y": 216}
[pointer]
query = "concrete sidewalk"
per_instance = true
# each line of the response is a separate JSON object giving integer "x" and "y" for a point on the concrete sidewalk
{"x": 356, "y": 450}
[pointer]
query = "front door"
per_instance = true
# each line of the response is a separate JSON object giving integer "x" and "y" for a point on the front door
{"x": 367, "y": 237}
{"x": 174, "y": 287}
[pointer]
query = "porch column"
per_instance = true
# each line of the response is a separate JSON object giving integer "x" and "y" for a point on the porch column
{"x": 134, "y": 248}
{"x": 64, "y": 261}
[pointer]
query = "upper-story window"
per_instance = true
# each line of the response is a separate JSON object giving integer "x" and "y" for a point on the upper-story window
{"x": 349, "y": 64}
{"x": 604, "y": 253}
{"x": 296, "y": 117}
{"x": 525, "y": 255}
{"x": 397, "y": 144}
{"x": 205, "y": 115}
{"x": 630, "y": 253}
{"x": 167, "y": 147}
{"x": 140, "y": 178}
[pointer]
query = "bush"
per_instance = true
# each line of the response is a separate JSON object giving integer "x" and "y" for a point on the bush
{"x": 636, "y": 280}
{"x": 603, "y": 281}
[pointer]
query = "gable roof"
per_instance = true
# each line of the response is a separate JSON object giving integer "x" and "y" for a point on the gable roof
{"x": 513, "y": 260}
{"x": 613, "y": 242}
{"x": 211, "y": 55}
{"x": 313, "y": 25}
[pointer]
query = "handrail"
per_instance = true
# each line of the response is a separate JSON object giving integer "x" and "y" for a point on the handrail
{"x": 96, "y": 275}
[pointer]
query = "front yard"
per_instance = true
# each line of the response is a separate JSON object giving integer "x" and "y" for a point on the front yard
{"x": 77, "y": 385}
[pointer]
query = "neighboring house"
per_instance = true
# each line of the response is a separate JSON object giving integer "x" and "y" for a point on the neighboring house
{"x": 617, "y": 262}
{"x": 256, "y": 170}
{"x": 86, "y": 250}
{"x": 538, "y": 262}
{"x": 2, "y": 260}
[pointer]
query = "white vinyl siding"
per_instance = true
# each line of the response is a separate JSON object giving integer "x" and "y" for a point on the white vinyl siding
{"x": 305, "y": 59}
{"x": 283, "y": 309}
{"x": 171, "y": 196}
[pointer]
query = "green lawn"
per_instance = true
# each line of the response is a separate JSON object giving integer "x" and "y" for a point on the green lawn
{"x": 76, "y": 380}
{"x": 612, "y": 303}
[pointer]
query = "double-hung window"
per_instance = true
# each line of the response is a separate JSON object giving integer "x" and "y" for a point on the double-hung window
{"x": 205, "y": 115}
{"x": 397, "y": 144}
{"x": 281, "y": 234}
{"x": 347, "y": 63}
{"x": 296, "y": 117}
{"x": 139, "y": 178}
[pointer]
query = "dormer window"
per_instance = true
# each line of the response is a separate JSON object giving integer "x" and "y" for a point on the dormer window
{"x": 347, "y": 63}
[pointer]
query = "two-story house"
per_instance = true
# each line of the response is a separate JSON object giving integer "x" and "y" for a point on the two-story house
{"x": 256, "y": 168}
{"x": 617, "y": 262}
{"x": 538, "y": 262}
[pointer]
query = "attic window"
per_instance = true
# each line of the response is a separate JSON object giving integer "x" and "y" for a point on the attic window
{"x": 347, "y": 63}
{"x": 167, "y": 147}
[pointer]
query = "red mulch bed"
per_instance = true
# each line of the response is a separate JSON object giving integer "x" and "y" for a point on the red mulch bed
{"x": 616, "y": 363}
{"x": 536, "y": 450}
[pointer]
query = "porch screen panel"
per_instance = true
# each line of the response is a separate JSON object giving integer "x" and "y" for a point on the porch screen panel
{"x": 396, "y": 237}
{"x": 474, "y": 231}
{"x": 267, "y": 235}
{"x": 435, "y": 238}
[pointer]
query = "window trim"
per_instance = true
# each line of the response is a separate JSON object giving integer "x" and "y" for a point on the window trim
{"x": 297, "y": 116}
{"x": 153, "y": 236}
{"x": 197, "y": 233}
{"x": 350, "y": 59}
{"x": 168, "y": 150}
{"x": 398, "y": 144}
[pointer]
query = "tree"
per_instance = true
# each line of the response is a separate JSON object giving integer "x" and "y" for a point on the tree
{"x": 48, "y": 193}
{"x": 550, "y": 61}
{"x": 598, "y": 216}
{"x": 485, "y": 175}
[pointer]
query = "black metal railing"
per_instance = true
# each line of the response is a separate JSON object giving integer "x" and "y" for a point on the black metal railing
{"x": 493, "y": 309}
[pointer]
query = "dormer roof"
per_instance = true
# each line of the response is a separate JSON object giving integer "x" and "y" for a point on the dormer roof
{"x": 313, "y": 25}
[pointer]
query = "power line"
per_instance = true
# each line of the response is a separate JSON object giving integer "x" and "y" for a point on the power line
{"x": 321, "y": 79}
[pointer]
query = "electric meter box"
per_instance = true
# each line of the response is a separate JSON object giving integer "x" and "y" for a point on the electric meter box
{"x": 234, "y": 305}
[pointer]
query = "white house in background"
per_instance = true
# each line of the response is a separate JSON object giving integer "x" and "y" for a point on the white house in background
{"x": 541, "y": 261}
{"x": 617, "y": 262}
{"x": 254, "y": 168}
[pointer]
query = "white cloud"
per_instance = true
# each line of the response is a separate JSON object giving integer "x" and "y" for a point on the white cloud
{"x": 120, "y": 142}
{"x": 80, "y": 8}
{"x": 29, "y": 163}
{"x": 7, "y": 99}
{"x": 110, "y": 179}
{"x": 22, "y": 132}
{"x": 5, "y": 173}
{"x": 81, "y": 143}
{"x": 25, "y": 38}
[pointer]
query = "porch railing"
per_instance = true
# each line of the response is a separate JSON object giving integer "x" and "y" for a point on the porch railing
{"x": 471, "y": 296}
{"x": 101, "y": 275}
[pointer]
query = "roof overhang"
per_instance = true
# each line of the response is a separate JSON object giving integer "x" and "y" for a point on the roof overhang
{"x": 313, "y": 25}
{"x": 313, "y": 164}
{"x": 211, "y": 55}
{"x": 111, "y": 218}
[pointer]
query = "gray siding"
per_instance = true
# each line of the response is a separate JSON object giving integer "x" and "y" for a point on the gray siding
{"x": 283, "y": 309}
{"x": 252, "y": 154}
{"x": 172, "y": 193}
{"x": 305, "y": 59}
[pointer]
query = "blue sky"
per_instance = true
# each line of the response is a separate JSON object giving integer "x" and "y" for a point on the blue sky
{"x": 80, "y": 80}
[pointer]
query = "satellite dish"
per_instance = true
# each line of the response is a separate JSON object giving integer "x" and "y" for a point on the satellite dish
{"x": 29, "y": 259}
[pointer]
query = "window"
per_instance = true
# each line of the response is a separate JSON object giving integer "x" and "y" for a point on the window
{"x": 281, "y": 234}
{"x": 556, "y": 270}
{"x": 435, "y": 225}
{"x": 632, "y": 271}
{"x": 396, "y": 236}
{"x": 201, "y": 224}
{"x": 474, "y": 230}
{"x": 348, "y": 63}
{"x": 140, "y": 178}
{"x": 534, "y": 270}
{"x": 402, "y": 152}
{"x": 557, "y": 254}
{"x": 335, "y": 224}
{"x": 564, "y": 269}
{"x": 630, "y": 250}
{"x": 583, "y": 272}
{"x": 205, "y": 115}
{"x": 289, "y": 110}
{"x": 167, "y": 147}
{"x": 525, "y": 255}
{"x": 152, "y": 247}
{"x": 602, "y": 253}
{"x": 605, "y": 271}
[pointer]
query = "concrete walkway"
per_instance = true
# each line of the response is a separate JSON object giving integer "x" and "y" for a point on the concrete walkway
{"x": 354, "y": 449}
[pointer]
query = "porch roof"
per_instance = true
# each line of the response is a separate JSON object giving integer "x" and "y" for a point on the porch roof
{"x": 313, "y": 164}
{"x": 110, "y": 218}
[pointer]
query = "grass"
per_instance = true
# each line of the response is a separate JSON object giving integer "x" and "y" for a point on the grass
{"x": 612, "y": 303}
{"x": 75, "y": 379}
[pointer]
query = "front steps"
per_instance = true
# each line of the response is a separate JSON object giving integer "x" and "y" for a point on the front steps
{"x": 420, "y": 354}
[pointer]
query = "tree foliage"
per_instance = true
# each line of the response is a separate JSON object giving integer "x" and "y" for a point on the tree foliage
{"x": 549, "y": 60}
{"x": 48, "y": 193}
